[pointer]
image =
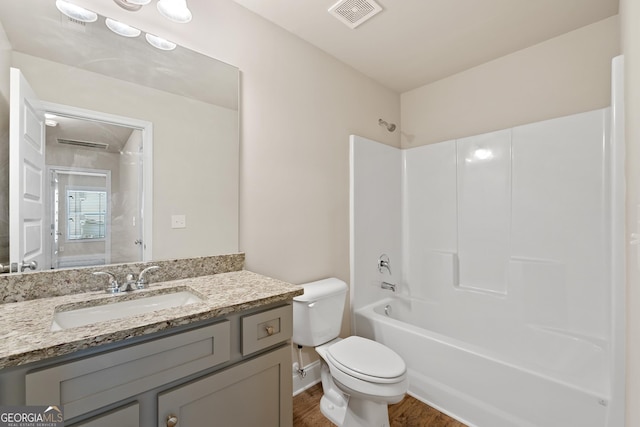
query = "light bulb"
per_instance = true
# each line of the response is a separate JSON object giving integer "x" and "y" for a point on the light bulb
{"x": 159, "y": 42}
{"x": 175, "y": 10}
{"x": 121, "y": 28}
{"x": 76, "y": 12}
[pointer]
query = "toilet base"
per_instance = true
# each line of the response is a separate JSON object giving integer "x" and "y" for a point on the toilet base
{"x": 357, "y": 413}
{"x": 346, "y": 410}
{"x": 366, "y": 413}
{"x": 334, "y": 413}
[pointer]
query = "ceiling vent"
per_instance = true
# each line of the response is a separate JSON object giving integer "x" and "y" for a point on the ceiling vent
{"x": 355, "y": 12}
{"x": 74, "y": 24}
{"x": 84, "y": 144}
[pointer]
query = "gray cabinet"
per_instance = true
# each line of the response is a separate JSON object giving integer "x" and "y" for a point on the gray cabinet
{"x": 252, "y": 393}
{"x": 88, "y": 384}
{"x": 228, "y": 371}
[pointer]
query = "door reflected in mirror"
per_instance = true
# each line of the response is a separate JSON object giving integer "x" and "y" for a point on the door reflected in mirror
{"x": 93, "y": 218}
{"x": 96, "y": 174}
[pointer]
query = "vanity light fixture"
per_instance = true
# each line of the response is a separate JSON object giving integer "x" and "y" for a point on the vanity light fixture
{"x": 159, "y": 42}
{"x": 76, "y": 12}
{"x": 175, "y": 10}
{"x": 121, "y": 28}
{"x": 132, "y": 5}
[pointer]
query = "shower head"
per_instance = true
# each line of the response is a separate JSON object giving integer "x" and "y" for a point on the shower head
{"x": 390, "y": 126}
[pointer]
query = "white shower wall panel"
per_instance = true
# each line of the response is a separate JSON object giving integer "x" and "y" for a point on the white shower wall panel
{"x": 558, "y": 245}
{"x": 484, "y": 200}
{"x": 376, "y": 204}
{"x": 430, "y": 206}
{"x": 511, "y": 225}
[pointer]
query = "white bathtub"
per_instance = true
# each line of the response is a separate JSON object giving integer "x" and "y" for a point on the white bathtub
{"x": 491, "y": 374}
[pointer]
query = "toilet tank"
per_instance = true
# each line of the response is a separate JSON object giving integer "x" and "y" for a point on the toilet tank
{"x": 317, "y": 314}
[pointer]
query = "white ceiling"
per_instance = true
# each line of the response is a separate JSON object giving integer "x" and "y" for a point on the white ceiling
{"x": 415, "y": 42}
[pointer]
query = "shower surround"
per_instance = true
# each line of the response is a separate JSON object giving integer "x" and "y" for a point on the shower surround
{"x": 503, "y": 247}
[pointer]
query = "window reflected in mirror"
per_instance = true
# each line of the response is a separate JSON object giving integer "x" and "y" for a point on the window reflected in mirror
{"x": 87, "y": 212}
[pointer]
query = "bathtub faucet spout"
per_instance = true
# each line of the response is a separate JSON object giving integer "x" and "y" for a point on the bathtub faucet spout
{"x": 389, "y": 286}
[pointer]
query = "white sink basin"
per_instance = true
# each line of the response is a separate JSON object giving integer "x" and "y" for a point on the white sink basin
{"x": 99, "y": 313}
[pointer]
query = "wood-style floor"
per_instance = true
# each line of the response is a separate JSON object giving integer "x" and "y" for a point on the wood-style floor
{"x": 408, "y": 413}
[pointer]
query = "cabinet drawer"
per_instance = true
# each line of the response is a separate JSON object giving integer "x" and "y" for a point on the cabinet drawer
{"x": 97, "y": 381}
{"x": 262, "y": 330}
{"x": 127, "y": 416}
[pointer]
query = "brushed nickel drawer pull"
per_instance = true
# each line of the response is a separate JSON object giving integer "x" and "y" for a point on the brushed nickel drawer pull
{"x": 270, "y": 330}
{"x": 172, "y": 420}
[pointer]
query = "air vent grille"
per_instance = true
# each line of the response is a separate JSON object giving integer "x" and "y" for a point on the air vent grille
{"x": 84, "y": 144}
{"x": 74, "y": 24}
{"x": 353, "y": 13}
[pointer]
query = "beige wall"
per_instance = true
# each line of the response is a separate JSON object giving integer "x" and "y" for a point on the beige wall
{"x": 630, "y": 20}
{"x": 565, "y": 75}
{"x": 299, "y": 106}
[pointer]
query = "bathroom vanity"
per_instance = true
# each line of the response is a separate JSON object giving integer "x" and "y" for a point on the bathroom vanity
{"x": 224, "y": 359}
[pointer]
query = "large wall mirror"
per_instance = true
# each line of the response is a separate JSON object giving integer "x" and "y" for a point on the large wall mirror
{"x": 140, "y": 145}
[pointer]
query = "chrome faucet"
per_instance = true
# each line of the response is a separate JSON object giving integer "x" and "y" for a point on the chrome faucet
{"x": 114, "y": 287}
{"x": 141, "y": 282}
{"x": 389, "y": 286}
{"x": 130, "y": 283}
{"x": 383, "y": 262}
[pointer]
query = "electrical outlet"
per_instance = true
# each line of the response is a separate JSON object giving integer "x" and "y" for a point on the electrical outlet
{"x": 178, "y": 221}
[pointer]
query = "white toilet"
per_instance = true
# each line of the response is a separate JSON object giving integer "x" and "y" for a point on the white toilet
{"x": 360, "y": 377}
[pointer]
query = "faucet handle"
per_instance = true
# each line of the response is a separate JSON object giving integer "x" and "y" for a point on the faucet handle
{"x": 383, "y": 262}
{"x": 114, "y": 287}
{"x": 141, "y": 282}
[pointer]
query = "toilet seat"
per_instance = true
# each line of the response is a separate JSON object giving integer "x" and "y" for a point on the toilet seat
{"x": 367, "y": 360}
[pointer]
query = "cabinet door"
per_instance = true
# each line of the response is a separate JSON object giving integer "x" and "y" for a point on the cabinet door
{"x": 254, "y": 393}
{"x": 121, "y": 417}
{"x": 94, "y": 382}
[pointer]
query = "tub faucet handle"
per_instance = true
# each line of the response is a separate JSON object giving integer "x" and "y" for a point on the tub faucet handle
{"x": 383, "y": 262}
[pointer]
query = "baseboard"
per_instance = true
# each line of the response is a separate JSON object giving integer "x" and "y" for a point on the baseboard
{"x": 311, "y": 378}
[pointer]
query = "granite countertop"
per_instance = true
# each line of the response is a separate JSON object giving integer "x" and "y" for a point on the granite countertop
{"x": 25, "y": 327}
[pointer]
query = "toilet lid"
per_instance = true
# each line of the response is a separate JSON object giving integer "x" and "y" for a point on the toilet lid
{"x": 366, "y": 359}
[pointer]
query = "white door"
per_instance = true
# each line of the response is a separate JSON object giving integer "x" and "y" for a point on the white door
{"x": 27, "y": 218}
